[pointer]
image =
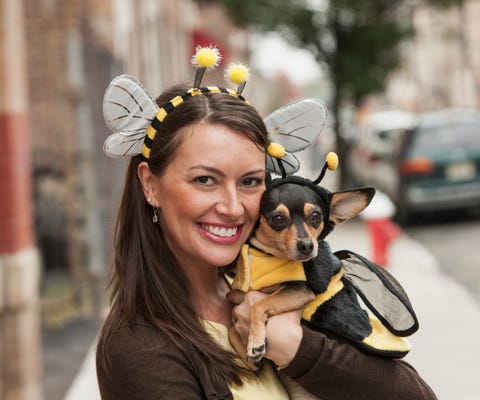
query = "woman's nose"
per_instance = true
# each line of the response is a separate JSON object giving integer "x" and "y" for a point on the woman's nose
{"x": 231, "y": 204}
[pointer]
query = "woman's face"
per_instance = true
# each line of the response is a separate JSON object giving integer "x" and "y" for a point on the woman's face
{"x": 209, "y": 195}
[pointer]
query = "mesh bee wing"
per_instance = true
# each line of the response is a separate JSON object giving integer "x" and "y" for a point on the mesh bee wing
{"x": 297, "y": 125}
{"x": 288, "y": 162}
{"x": 128, "y": 110}
{"x": 381, "y": 292}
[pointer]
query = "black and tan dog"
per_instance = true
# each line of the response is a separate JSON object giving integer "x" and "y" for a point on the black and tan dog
{"x": 288, "y": 258}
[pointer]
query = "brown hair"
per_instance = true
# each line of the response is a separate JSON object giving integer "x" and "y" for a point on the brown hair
{"x": 147, "y": 283}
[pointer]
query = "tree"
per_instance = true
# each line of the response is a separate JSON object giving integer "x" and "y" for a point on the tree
{"x": 356, "y": 41}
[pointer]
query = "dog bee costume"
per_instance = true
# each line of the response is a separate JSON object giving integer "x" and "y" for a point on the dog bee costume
{"x": 134, "y": 119}
{"x": 337, "y": 279}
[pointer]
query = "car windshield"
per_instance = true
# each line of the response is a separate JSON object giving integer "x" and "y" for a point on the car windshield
{"x": 440, "y": 137}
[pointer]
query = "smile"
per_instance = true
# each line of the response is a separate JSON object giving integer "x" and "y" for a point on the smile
{"x": 220, "y": 231}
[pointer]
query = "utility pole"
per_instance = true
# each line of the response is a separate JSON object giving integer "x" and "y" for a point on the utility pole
{"x": 20, "y": 344}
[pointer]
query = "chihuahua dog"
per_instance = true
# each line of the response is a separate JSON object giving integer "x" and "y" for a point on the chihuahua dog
{"x": 288, "y": 258}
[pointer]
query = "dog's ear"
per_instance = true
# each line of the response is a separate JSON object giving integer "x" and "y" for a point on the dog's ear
{"x": 349, "y": 203}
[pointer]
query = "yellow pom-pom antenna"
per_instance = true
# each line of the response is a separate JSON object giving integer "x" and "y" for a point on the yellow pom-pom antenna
{"x": 205, "y": 58}
{"x": 332, "y": 161}
{"x": 276, "y": 150}
{"x": 238, "y": 74}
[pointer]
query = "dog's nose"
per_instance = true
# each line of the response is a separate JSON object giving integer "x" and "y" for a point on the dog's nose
{"x": 305, "y": 246}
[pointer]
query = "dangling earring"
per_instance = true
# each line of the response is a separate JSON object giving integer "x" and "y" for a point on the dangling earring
{"x": 155, "y": 215}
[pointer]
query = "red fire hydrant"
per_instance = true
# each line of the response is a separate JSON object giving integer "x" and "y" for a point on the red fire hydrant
{"x": 382, "y": 230}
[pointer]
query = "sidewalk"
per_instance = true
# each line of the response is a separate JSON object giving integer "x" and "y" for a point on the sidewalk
{"x": 445, "y": 349}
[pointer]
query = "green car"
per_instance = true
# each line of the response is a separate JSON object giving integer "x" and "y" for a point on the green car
{"x": 438, "y": 163}
{"x": 431, "y": 165}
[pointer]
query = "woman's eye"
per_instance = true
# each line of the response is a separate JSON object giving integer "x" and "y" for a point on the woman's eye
{"x": 204, "y": 180}
{"x": 252, "y": 182}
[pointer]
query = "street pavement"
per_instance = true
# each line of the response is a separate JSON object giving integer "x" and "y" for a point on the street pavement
{"x": 445, "y": 349}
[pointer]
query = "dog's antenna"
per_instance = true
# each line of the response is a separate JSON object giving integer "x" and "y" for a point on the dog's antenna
{"x": 331, "y": 162}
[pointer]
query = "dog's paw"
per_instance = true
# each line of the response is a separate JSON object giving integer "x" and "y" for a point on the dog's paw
{"x": 255, "y": 366}
{"x": 256, "y": 352}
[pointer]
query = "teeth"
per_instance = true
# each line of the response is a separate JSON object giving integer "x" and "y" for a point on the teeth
{"x": 224, "y": 232}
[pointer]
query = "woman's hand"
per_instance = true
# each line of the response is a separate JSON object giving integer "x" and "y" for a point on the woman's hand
{"x": 284, "y": 332}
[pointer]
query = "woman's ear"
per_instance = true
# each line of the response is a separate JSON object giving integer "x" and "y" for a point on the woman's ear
{"x": 149, "y": 184}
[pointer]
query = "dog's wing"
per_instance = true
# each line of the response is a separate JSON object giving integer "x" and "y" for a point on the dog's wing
{"x": 381, "y": 293}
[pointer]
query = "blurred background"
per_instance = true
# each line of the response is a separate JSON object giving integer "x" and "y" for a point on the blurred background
{"x": 401, "y": 79}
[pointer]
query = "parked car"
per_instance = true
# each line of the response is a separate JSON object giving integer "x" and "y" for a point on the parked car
{"x": 426, "y": 163}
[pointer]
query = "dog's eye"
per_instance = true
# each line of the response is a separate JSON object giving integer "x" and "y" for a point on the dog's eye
{"x": 316, "y": 217}
{"x": 277, "y": 221}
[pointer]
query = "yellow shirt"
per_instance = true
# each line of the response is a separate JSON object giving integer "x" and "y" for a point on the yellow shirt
{"x": 257, "y": 270}
{"x": 265, "y": 384}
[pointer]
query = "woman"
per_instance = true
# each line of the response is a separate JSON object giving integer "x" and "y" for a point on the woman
{"x": 188, "y": 206}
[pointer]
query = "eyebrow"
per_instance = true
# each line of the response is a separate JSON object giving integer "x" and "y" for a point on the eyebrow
{"x": 219, "y": 172}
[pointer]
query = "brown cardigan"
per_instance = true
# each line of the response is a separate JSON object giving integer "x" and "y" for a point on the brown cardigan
{"x": 144, "y": 365}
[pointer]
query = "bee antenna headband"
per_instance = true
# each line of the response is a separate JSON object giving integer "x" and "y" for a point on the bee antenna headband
{"x": 135, "y": 118}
